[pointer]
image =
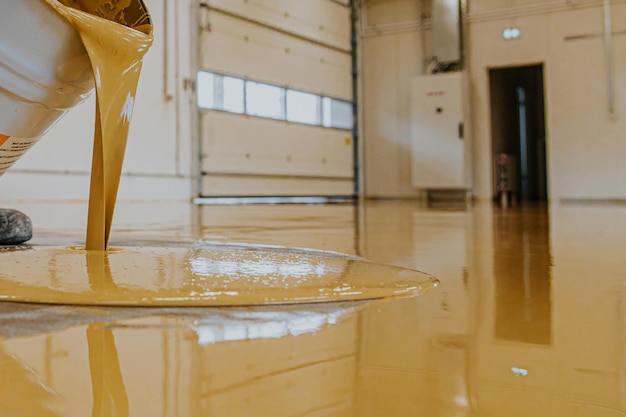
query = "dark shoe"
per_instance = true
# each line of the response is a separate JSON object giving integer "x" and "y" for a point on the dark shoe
{"x": 15, "y": 227}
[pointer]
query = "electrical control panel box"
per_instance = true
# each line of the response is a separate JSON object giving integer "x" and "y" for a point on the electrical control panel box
{"x": 439, "y": 132}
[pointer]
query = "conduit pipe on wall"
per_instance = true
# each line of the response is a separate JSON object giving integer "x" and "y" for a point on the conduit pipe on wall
{"x": 177, "y": 87}
{"x": 463, "y": 13}
{"x": 608, "y": 56}
{"x": 167, "y": 94}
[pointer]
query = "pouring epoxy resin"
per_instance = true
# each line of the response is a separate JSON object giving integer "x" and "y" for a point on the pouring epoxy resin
{"x": 199, "y": 275}
{"x": 116, "y": 35}
{"x": 49, "y": 71}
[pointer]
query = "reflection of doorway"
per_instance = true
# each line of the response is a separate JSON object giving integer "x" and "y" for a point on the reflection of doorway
{"x": 518, "y": 128}
{"x": 522, "y": 269}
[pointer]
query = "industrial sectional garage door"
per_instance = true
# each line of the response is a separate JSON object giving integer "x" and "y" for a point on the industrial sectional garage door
{"x": 275, "y": 98}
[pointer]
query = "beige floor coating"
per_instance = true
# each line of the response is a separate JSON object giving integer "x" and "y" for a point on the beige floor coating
{"x": 529, "y": 319}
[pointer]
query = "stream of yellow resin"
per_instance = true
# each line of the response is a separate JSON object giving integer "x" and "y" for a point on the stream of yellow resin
{"x": 200, "y": 276}
{"x": 116, "y": 35}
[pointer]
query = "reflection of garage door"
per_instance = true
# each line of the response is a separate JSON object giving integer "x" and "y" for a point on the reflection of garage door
{"x": 275, "y": 92}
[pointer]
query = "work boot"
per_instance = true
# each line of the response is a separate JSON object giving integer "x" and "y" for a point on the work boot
{"x": 15, "y": 227}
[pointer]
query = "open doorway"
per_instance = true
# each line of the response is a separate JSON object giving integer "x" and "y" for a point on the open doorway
{"x": 518, "y": 132}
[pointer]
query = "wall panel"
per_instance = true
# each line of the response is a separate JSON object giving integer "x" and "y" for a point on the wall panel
{"x": 247, "y": 50}
{"x": 235, "y": 144}
{"x": 390, "y": 62}
{"x": 255, "y": 185}
{"x": 325, "y": 20}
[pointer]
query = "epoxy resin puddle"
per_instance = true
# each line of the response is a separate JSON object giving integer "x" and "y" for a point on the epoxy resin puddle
{"x": 198, "y": 275}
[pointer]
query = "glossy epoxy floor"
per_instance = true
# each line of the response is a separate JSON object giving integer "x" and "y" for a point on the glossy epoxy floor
{"x": 529, "y": 320}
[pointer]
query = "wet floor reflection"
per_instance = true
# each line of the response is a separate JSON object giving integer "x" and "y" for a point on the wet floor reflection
{"x": 278, "y": 361}
{"x": 522, "y": 272}
{"x": 107, "y": 384}
{"x": 529, "y": 319}
{"x": 24, "y": 394}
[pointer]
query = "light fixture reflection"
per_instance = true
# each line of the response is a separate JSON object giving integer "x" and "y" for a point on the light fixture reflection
{"x": 263, "y": 326}
{"x": 258, "y": 267}
{"x": 519, "y": 371}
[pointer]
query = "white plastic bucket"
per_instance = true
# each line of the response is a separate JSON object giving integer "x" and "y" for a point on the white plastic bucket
{"x": 44, "y": 72}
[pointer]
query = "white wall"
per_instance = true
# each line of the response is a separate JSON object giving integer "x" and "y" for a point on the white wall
{"x": 158, "y": 161}
{"x": 586, "y": 147}
{"x": 391, "y": 55}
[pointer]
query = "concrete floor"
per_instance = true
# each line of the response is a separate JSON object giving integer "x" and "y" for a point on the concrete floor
{"x": 529, "y": 319}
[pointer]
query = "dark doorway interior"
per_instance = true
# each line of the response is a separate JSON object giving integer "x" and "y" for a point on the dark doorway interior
{"x": 518, "y": 132}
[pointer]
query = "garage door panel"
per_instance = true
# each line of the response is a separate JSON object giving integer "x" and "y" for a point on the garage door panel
{"x": 237, "y": 186}
{"x": 248, "y": 145}
{"x": 239, "y": 48}
{"x": 322, "y": 20}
